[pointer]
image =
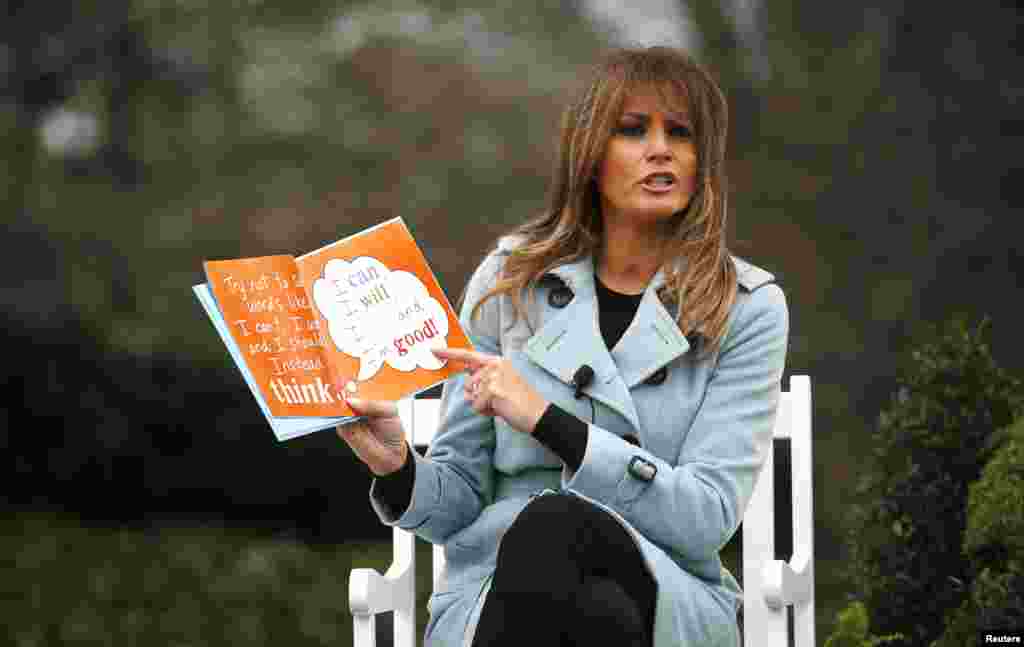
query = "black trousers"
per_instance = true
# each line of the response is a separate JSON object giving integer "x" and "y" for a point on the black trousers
{"x": 567, "y": 574}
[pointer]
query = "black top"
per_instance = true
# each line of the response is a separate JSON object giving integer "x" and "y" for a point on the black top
{"x": 560, "y": 431}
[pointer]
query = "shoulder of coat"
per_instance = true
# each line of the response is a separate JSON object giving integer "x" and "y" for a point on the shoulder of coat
{"x": 750, "y": 276}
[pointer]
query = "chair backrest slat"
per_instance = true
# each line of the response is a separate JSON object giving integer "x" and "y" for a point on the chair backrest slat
{"x": 784, "y": 417}
{"x": 420, "y": 418}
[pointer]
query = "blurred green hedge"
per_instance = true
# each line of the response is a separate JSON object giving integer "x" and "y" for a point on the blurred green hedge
{"x": 935, "y": 540}
{"x": 994, "y": 544}
{"x": 68, "y": 584}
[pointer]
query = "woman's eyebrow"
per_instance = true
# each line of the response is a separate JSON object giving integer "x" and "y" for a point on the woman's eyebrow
{"x": 676, "y": 117}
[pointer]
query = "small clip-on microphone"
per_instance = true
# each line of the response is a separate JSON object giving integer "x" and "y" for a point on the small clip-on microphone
{"x": 582, "y": 378}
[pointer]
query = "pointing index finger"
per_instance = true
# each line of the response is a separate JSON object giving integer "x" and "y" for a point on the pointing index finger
{"x": 472, "y": 358}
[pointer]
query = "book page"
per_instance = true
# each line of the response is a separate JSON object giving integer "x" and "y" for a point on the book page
{"x": 381, "y": 310}
{"x": 268, "y": 312}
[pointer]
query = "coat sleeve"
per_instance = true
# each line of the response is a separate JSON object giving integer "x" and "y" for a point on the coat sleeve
{"x": 692, "y": 508}
{"x": 455, "y": 480}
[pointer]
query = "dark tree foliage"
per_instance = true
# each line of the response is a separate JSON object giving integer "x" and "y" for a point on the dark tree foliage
{"x": 120, "y": 439}
{"x": 48, "y": 48}
{"x": 907, "y": 560}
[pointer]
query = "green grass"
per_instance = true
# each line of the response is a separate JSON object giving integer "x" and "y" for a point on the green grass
{"x": 71, "y": 585}
{"x": 67, "y": 584}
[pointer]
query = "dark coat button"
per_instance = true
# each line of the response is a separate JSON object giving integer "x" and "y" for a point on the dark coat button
{"x": 657, "y": 377}
{"x": 631, "y": 439}
{"x": 560, "y": 297}
{"x": 642, "y": 468}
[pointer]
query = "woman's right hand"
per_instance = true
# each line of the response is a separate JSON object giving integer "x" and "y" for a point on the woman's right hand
{"x": 378, "y": 439}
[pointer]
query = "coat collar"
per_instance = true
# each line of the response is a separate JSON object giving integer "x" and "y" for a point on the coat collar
{"x": 572, "y": 337}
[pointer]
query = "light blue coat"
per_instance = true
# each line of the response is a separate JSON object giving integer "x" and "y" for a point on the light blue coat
{"x": 707, "y": 428}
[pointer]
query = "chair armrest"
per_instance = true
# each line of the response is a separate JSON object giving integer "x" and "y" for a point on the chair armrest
{"x": 370, "y": 593}
{"x": 787, "y": 582}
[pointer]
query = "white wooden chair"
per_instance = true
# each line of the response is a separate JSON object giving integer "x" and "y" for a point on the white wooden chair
{"x": 769, "y": 585}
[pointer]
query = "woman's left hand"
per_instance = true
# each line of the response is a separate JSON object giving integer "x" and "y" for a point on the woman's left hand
{"x": 494, "y": 388}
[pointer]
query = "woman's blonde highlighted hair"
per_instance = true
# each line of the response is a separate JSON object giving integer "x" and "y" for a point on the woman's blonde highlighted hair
{"x": 700, "y": 276}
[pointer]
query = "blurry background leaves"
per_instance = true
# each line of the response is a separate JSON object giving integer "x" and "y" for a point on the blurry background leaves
{"x": 873, "y": 168}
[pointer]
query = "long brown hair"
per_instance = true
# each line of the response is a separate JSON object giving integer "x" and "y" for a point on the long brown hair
{"x": 700, "y": 276}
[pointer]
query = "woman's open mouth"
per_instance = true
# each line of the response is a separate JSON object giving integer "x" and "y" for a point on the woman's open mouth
{"x": 659, "y": 182}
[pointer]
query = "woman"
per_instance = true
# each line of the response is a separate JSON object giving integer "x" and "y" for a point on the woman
{"x": 604, "y": 441}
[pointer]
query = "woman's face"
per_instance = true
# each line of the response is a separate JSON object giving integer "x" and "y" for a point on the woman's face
{"x": 649, "y": 168}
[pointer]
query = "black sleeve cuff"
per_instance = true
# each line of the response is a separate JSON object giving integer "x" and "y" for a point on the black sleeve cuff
{"x": 395, "y": 490}
{"x": 564, "y": 434}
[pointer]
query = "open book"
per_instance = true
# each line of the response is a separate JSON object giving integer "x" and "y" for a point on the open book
{"x": 362, "y": 313}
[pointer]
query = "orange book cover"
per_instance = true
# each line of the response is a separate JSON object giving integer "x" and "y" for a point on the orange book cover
{"x": 362, "y": 312}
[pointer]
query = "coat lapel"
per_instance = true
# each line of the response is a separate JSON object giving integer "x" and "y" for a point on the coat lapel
{"x": 572, "y": 338}
{"x": 652, "y": 340}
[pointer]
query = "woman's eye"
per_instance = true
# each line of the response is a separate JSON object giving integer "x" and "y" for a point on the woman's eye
{"x": 638, "y": 130}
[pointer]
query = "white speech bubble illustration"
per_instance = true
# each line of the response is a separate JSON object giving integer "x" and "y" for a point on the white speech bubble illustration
{"x": 378, "y": 316}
